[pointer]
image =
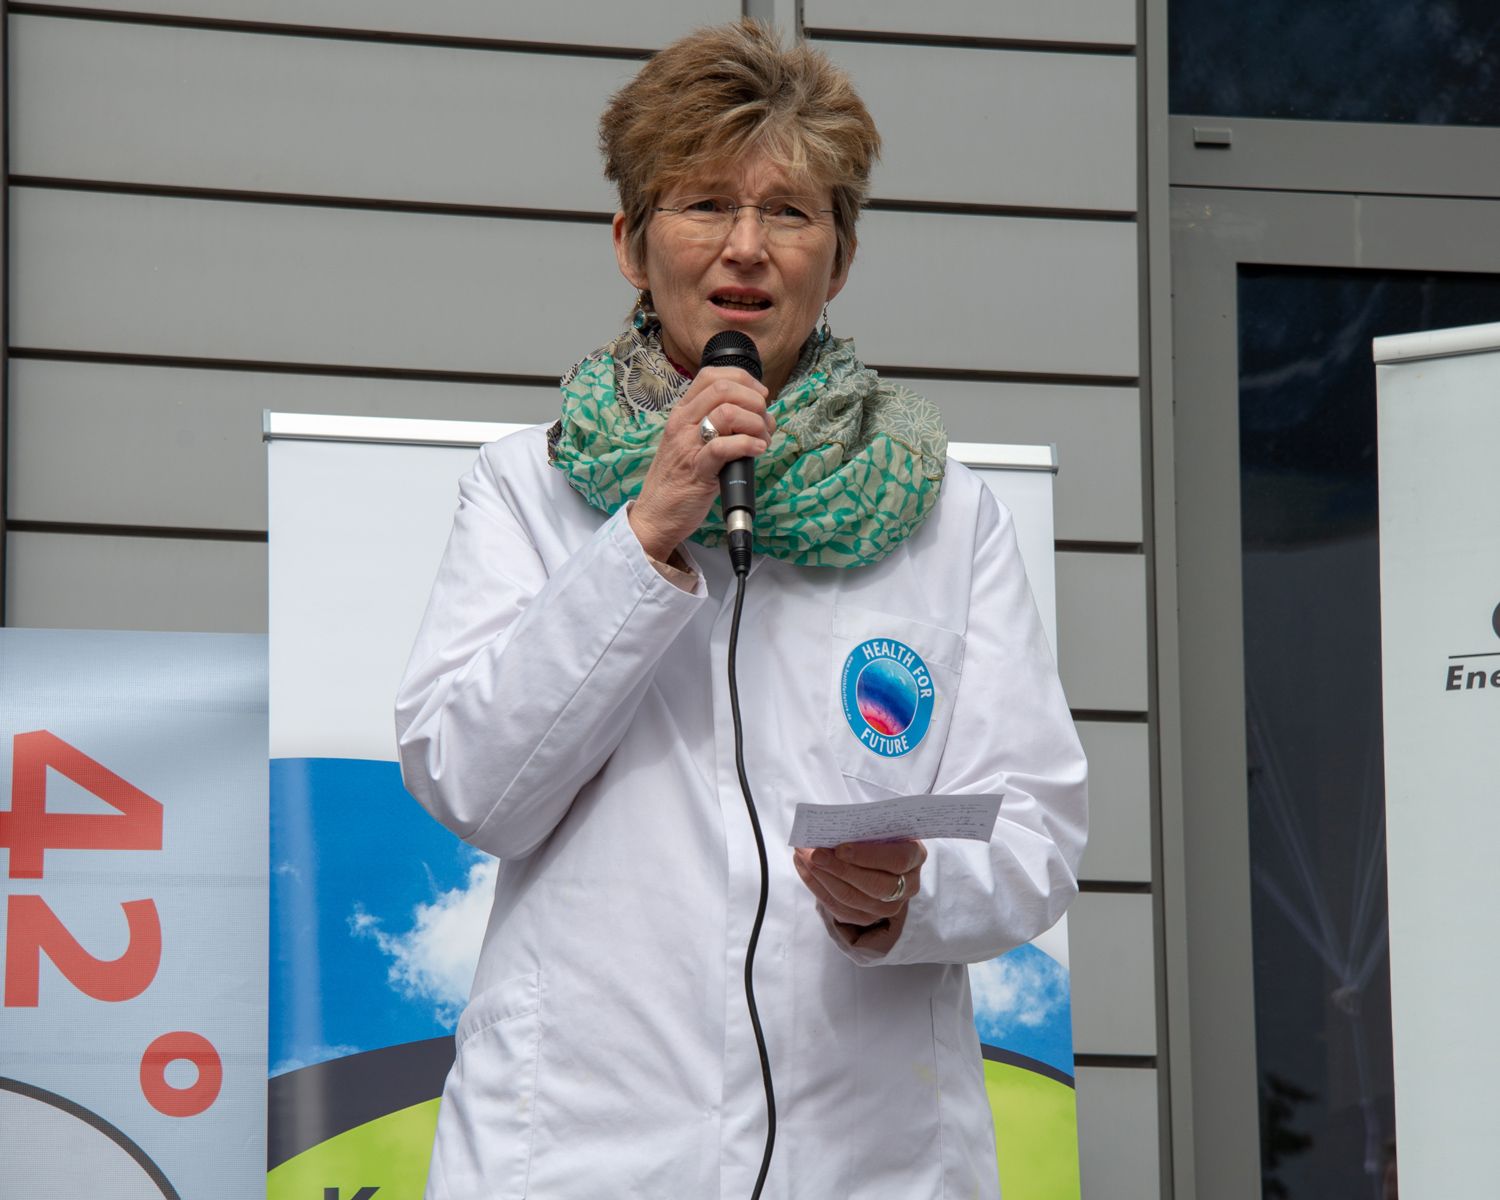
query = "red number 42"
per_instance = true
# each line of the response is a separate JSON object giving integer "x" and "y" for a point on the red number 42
{"x": 28, "y": 831}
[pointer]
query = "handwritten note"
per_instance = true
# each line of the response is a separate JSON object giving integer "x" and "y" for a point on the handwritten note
{"x": 922, "y": 817}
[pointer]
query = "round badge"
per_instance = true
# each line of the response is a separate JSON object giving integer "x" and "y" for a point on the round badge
{"x": 887, "y": 694}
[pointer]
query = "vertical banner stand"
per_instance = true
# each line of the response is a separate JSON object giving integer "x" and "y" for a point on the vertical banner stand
{"x": 1439, "y": 439}
{"x": 360, "y": 509}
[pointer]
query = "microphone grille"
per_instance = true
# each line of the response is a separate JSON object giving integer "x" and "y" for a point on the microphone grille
{"x": 731, "y": 348}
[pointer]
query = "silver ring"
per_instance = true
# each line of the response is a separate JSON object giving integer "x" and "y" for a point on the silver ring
{"x": 706, "y": 430}
{"x": 899, "y": 891}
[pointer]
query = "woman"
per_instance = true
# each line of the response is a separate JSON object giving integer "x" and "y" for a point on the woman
{"x": 565, "y": 707}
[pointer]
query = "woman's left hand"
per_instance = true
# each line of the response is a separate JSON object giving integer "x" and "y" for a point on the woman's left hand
{"x": 865, "y": 887}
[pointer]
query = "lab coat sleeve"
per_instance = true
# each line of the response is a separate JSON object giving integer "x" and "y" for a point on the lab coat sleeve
{"x": 522, "y": 682}
{"x": 1011, "y": 732}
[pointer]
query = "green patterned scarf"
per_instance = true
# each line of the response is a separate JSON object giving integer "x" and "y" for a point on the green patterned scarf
{"x": 855, "y": 464}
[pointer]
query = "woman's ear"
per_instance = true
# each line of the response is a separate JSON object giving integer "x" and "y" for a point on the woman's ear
{"x": 635, "y": 273}
{"x": 836, "y": 283}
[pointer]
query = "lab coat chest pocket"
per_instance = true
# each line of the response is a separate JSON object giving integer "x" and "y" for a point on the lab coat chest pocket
{"x": 894, "y": 684}
{"x": 484, "y": 1138}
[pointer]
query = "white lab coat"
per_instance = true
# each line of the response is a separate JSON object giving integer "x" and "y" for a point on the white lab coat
{"x": 566, "y": 710}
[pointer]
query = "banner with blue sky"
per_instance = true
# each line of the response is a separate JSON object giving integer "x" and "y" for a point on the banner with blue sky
{"x": 377, "y": 912}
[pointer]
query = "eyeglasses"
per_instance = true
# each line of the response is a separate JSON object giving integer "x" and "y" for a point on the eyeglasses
{"x": 786, "y": 219}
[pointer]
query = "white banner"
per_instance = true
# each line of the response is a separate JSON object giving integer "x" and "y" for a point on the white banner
{"x": 378, "y": 912}
{"x": 133, "y": 829}
{"x": 1439, "y": 409}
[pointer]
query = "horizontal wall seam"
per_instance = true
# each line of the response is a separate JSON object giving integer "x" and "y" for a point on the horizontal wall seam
{"x": 1113, "y": 887}
{"x": 980, "y": 376}
{"x": 1028, "y": 211}
{"x": 1117, "y": 716}
{"x": 76, "y": 528}
{"x": 1074, "y": 546}
{"x": 330, "y": 32}
{"x": 360, "y": 371}
{"x": 174, "y": 191}
{"x": 186, "y": 362}
{"x": 1125, "y": 1061}
{"x": 453, "y": 208}
{"x": 969, "y": 42}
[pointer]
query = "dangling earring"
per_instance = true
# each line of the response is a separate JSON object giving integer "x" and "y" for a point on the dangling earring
{"x": 824, "y": 333}
{"x": 643, "y": 314}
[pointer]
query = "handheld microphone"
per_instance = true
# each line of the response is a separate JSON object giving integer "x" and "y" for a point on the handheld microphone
{"x": 737, "y": 480}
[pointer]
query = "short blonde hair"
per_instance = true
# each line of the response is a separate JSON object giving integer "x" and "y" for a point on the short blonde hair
{"x": 710, "y": 98}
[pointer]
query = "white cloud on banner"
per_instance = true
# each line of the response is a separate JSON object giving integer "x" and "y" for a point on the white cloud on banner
{"x": 434, "y": 960}
{"x": 313, "y": 1056}
{"x": 1017, "y": 990}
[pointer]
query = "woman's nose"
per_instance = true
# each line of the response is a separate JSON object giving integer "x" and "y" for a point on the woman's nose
{"x": 747, "y": 235}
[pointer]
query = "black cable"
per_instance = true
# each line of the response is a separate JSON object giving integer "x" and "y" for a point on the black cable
{"x": 760, "y": 911}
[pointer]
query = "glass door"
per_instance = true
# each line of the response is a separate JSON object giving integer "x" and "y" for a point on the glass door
{"x": 1276, "y": 299}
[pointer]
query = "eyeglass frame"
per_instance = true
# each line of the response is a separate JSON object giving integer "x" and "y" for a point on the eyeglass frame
{"x": 735, "y": 208}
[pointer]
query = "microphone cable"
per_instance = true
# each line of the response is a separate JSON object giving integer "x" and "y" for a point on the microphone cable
{"x": 760, "y": 910}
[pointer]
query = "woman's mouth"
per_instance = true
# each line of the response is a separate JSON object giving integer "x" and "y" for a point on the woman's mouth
{"x": 737, "y": 302}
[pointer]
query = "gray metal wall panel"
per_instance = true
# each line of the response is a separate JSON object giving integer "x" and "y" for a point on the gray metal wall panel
{"x": 1113, "y": 970}
{"x": 226, "y": 279}
{"x": 102, "y": 101}
{"x": 579, "y": 22}
{"x": 1049, "y": 130}
{"x": 81, "y": 581}
{"x": 1118, "y": 1145}
{"x": 105, "y": 422}
{"x": 94, "y": 100}
{"x": 1101, "y": 630}
{"x": 100, "y": 443}
{"x": 1096, "y": 431}
{"x": 994, "y": 293}
{"x": 276, "y": 282}
{"x": 1119, "y": 847}
{"x": 1109, "y": 21}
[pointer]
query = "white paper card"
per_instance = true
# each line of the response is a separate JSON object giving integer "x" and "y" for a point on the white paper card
{"x": 924, "y": 817}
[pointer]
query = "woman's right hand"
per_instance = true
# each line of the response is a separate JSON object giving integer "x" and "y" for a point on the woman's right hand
{"x": 683, "y": 479}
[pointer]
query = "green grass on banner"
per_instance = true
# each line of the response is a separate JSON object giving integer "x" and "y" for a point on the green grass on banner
{"x": 1036, "y": 1133}
{"x": 390, "y": 1152}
